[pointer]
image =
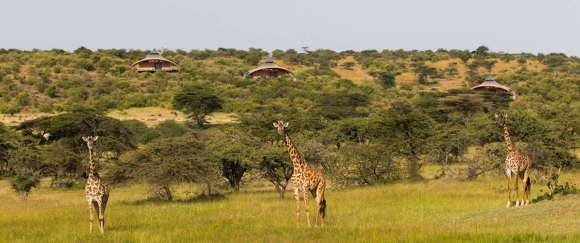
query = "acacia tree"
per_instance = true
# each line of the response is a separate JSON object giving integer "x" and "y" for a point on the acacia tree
{"x": 365, "y": 164}
{"x": 197, "y": 102}
{"x": 424, "y": 72}
{"x": 464, "y": 56}
{"x": 62, "y": 136}
{"x": 165, "y": 162}
{"x": 481, "y": 52}
{"x": 232, "y": 149}
{"x": 410, "y": 131}
{"x": 9, "y": 140}
{"x": 274, "y": 166}
{"x": 19, "y": 157}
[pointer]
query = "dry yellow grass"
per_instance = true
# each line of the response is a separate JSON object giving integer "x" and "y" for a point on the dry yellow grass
{"x": 458, "y": 82}
{"x": 357, "y": 74}
{"x": 406, "y": 77}
{"x": 18, "y": 118}
{"x": 151, "y": 116}
{"x": 296, "y": 69}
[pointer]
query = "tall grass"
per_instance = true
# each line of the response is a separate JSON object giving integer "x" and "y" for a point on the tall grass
{"x": 433, "y": 211}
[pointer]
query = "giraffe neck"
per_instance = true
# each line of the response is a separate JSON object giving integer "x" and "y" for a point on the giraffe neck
{"x": 511, "y": 147}
{"x": 92, "y": 170}
{"x": 295, "y": 155}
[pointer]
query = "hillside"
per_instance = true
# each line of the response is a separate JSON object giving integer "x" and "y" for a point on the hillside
{"x": 391, "y": 110}
{"x": 49, "y": 81}
{"x": 35, "y": 83}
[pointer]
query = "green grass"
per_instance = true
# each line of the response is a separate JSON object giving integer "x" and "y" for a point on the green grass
{"x": 433, "y": 211}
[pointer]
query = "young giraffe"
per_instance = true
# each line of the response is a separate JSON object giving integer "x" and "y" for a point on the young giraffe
{"x": 304, "y": 178}
{"x": 517, "y": 165}
{"x": 96, "y": 191}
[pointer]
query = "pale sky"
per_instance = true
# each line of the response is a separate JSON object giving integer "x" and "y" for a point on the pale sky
{"x": 502, "y": 25}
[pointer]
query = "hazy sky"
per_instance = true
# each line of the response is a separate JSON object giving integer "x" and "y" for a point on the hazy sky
{"x": 502, "y": 25}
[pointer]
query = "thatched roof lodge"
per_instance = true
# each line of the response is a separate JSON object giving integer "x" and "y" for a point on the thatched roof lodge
{"x": 268, "y": 69}
{"x": 490, "y": 85}
{"x": 154, "y": 62}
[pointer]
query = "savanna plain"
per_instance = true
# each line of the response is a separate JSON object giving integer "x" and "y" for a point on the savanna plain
{"x": 430, "y": 210}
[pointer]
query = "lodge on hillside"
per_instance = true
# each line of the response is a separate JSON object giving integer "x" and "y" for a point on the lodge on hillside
{"x": 154, "y": 62}
{"x": 268, "y": 69}
{"x": 490, "y": 85}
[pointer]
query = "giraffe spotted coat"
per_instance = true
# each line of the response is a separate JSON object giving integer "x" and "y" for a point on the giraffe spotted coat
{"x": 96, "y": 191}
{"x": 305, "y": 178}
{"x": 517, "y": 165}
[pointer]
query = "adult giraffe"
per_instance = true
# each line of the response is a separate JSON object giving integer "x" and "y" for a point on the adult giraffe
{"x": 305, "y": 178}
{"x": 517, "y": 165}
{"x": 96, "y": 191}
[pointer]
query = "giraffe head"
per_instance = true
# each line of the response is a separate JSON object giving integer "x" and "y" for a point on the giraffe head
{"x": 281, "y": 125}
{"x": 90, "y": 140}
{"x": 501, "y": 117}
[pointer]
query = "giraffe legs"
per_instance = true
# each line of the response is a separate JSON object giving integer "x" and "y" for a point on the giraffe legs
{"x": 306, "y": 207}
{"x": 517, "y": 191}
{"x": 104, "y": 199}
{"x": 297, "y": 198}
{"x": 101, "y": 212}
{"x": 509, "y": 178}
{"x": 527, "y": 185}
{"x": 91, "y": 217}
{"x": 321, "y": 204}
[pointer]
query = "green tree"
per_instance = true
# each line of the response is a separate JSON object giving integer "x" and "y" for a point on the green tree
{"x": 274, "y": 165}
{"x": 9, "y": 140}
{"x": 410, "y": 131}
{"x": 347, "y": 65}
{"x": 340, "y": 105}
{"x": 62, "y": 134}
{"x": 424, "y": 72}
{"x": 385, "y": 79}
{"x": 83, "y": 51}
{"x": 164, "y": 163}
{"x": 165, "y": 129}
{"x": 365, "y": 164}
{"x": 24, "y": 184}
{"x": 232, "y": 149}
{"x": 481, "y": 51}
{"x": 23, "y": 99}
{"x": 197, "y": 102}
{"x": 464, "y": 56}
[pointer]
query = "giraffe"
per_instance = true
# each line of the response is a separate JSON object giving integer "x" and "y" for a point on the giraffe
{"x": 96, "y": 191}
{"x": 304, "y": 178}
{"x": 517, "y": 165}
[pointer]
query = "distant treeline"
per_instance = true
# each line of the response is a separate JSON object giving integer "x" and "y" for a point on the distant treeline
{"x": 360, "y": 132}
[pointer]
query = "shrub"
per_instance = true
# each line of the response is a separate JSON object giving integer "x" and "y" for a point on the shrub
{"x": 555, "y": 188}
{"x": 197, "y": 102}
{"x": 164, "y": 163}
{"x": 24, "y": 184}
{"x": 362, "y": 164}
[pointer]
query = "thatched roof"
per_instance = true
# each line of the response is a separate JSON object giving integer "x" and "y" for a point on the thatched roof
{"x": 489, "y": 84}
{"x": 154, "y": 56}
{"x": 268, "y": 64}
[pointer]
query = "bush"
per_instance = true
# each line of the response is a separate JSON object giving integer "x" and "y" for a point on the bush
{"x": 166, "y": 162}
{"x": 361, "y": 164}
{"x": 24, "y": 184}
{"x": 555, "y": 188}
{"x": 320, "y": 72}
{"x": 9, "y": 110}
{"x": 197, "y": 102}
{"x": 166, "y": 129}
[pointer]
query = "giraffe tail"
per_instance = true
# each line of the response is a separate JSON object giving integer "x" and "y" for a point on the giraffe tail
{"x": 323, "y": 208}
{"x": 528, "y": 187}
